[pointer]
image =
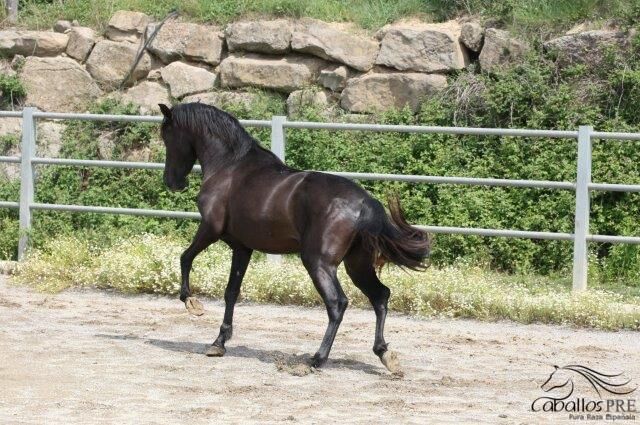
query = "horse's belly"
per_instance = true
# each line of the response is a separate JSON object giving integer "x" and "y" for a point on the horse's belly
{"x": 272, "y": 238}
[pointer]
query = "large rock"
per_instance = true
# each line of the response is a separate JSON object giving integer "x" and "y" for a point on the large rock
{"x": 110, "y": 61}
{"x": 222, "y": 99}
{"x": 306, "y": 98}
{"x": 336, "y": 43}
{"x": 585, "y": 47}
{"x": 259, "y": 36}
{"x": 283, "y": 74}
{"x": 10, "y": 126}
{"x": 334, "y": 78}
{"x": 49, "y": 138}
{"x": 147, "y": 95}
{"x": 500, "y": 49}
{"x": 48, "y": 144}
{"x": 375, "y": 92}
{"x": 422, "y": 47}
{"x": 177, "y": 40}
{"x": 62, "y": 26}
{"x": 185, "y": 79}
{"x": 81, "y": 41}
{"x": 125, "y": 25}
{"x": 57, "y": 84}
{"x": 5, "y": 68}
{"x": 154, "y": 75}
{"x": 10, "y": 146}
{"x": 471, "y": 35}
{"x": 32, "y": 43}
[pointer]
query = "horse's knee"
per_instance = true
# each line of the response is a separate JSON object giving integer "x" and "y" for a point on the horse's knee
{"x": 385, "y": 293}
{"x": 380, "y": 299}
{"x": 343, "y": 303}
{"x": 186, "y": 260}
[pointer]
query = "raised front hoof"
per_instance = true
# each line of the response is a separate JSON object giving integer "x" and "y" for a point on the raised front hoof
{"x": 194, "y": 306}
{"x": 215, "y": 351}
{"x": 390, "y": 360}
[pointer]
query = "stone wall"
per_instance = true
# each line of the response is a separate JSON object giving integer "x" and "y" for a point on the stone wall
{"x": 309, "y": 61}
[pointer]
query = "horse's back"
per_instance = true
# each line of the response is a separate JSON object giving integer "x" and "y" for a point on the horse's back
{"x": 275, "y": 209}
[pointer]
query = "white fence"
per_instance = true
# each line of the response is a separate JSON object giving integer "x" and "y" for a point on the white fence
{"x": 278, "y": 124}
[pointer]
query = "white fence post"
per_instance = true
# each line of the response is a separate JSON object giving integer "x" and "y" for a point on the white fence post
{"x": 580, "y": 246}
{"x": 11, "y": 9}
{"x": 27, "y": 151}
{"x": 277, "y": 147}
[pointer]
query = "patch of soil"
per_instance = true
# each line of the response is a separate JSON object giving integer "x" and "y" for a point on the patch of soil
{"x": 86, "y": 355}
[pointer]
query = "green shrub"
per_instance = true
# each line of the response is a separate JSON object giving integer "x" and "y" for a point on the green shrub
{"x": 12, "y": 91}
{"x": 9, "y": 191}
{"x": 8, "y": 142}
{"x": 534, "y": 94}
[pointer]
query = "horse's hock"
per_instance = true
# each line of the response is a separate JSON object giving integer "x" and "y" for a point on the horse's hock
{"x": 407, "y": 61}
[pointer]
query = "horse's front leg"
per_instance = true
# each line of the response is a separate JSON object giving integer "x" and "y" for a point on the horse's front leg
{"x": 203, "y": 238}
{"x": 239, "y": 263}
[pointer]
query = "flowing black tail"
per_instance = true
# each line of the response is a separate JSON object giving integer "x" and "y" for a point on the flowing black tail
{"x": 392, "y": 239}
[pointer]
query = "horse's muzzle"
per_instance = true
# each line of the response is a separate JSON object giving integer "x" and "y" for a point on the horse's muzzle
{"x": 177, "y": 186}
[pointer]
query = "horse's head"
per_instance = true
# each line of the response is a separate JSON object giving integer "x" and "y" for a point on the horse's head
{"x": 181, "y": 155}
{"x": 558, "y": 379}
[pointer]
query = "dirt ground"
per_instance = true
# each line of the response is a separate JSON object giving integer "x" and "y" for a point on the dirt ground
{"x": 96, "y": 357}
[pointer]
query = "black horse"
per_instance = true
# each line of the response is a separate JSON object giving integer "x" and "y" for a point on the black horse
{"x": 252, "y": 201}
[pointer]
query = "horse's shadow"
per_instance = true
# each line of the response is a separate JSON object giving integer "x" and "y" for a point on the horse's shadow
{"x": 264, "y": 356}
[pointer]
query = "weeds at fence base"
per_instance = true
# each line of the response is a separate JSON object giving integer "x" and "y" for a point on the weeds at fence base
{"x": 8, "y": 267}
{"x": 150, "y": 264}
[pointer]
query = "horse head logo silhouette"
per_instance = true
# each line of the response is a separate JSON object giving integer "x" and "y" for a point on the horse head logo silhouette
{"x": 561, "y": 381}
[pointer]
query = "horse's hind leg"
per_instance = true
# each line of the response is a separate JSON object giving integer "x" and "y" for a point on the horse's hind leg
{"x": 239, "y": 263}
{"x": 203, "y": 238}
{"x": 324, "y": 277}
{"x": 360, "y": 268}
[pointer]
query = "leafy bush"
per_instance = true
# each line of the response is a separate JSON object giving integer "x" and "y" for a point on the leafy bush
{"x": 113, "y": 187}
{"x": 11, "y": 90}
{"x": 7, "y": 143}
{"x": 533, "y": 94}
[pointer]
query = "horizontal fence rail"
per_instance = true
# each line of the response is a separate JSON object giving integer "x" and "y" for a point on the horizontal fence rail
{"x": 114, "y": 210}
{"x": 6, "y": 204}
{"x": 476, "y": 131}
{"x": 278, "y": 125}
{"x": 10, "y": 159}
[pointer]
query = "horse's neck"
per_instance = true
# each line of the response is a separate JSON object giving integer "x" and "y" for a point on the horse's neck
{"x": 214, "y": 156}
{"x": 211, "y": 155}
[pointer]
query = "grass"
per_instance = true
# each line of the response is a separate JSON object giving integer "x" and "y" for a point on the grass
{"x": 367, "y": 13}
{"x": 149, "y": 264}
{"x": 521, "y": 15}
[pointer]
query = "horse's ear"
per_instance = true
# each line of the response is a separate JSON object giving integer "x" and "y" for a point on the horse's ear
{"x": 165, "y": 110}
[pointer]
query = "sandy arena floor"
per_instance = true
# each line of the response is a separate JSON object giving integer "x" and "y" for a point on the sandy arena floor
{"x": 96, "y": 357}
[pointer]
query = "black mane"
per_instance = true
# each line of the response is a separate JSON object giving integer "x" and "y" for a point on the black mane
{"x": 210, "y": 122}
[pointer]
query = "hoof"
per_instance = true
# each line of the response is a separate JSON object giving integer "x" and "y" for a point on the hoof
{"x": 318, "y": 361}
{"x": 215, "y": 351}
{"x": 390, "y": 361}
{"x": 194, "y": 306}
